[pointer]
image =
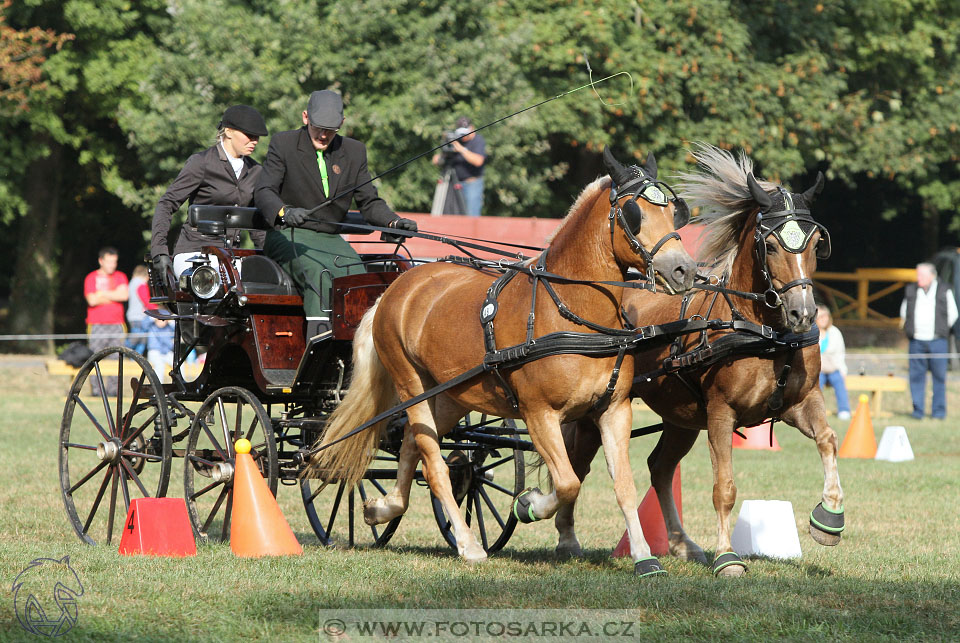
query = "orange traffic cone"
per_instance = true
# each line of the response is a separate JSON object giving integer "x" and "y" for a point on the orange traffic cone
{"x": 651, "y": 520}
{"x": 860, "y": 441}
{"x": 760, "y": 436}
{"x": 257, "y": 527}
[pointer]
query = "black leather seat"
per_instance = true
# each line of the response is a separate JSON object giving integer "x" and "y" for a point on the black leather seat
{"x": 263, "y": 276}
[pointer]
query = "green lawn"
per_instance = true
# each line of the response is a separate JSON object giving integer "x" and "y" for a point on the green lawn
{"x": 896, "y": 575}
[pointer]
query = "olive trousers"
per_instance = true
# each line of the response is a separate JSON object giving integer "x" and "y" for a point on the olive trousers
{"x": 313, "y": 259}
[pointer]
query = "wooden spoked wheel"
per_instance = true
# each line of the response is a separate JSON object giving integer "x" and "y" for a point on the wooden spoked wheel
{"x": 114, "y": 442}
{"x": 336, "y": 512}
{"x": 485, "y": 480}
{"x": 228, "y": 414}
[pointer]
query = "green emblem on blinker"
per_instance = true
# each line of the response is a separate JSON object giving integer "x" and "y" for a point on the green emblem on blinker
{"x": 792, "y": 236}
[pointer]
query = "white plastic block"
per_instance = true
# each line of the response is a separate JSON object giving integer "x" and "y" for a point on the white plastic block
{"x": 766, "y": 528}
{"x": 894, "y": 445}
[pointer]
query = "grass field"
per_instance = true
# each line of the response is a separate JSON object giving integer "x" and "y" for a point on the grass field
{"x": 896, "y": 575}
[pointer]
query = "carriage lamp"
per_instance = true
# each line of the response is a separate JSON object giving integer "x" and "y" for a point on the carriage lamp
{"x": 204, "y": 281}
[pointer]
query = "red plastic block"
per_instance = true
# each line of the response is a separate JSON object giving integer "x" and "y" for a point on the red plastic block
{"x": 158, "y": 527}
{"x": 651, "y": 521}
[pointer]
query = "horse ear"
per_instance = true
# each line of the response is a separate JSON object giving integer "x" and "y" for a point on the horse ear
{"x": 618, "y": 173}
{"x": 811, "y": 194}
{"x": 650, "y": 166}
{"x": 758, "y": 193}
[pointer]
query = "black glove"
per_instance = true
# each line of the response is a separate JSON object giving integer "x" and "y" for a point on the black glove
{"x": 162, "y": 264}
{"x": 401, "y": 224}
{"x": 294, "y": 217}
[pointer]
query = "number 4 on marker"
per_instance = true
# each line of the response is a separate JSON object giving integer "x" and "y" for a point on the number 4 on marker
{"x": 130, "y": 524}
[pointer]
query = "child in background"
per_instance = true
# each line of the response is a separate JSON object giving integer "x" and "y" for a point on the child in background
{"x": 137, "y": 321}
{"x": 160, "y": 347}
{"x": 833, "y": 364}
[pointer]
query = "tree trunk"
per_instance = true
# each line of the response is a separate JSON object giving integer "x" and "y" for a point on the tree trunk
{"x": 34, "y": 288}
{"x": 931, "y": 230}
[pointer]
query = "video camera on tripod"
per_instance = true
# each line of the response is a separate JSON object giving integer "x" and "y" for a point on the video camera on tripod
{"x": 448, "y": 198}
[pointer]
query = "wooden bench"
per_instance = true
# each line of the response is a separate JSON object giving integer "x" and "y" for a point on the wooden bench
{"x": 876, "y": 385}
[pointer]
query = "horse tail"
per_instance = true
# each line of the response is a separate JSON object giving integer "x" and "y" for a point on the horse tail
{"x": 370, "y": 393}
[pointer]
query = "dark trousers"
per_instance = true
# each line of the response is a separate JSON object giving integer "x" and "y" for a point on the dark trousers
{"x": 313, "y": 259}
{"x": 918, "y": 375}
{"x": 103, "y": 336}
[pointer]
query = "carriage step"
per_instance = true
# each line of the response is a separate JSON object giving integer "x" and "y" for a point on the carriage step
{"x": 281, "y": 377}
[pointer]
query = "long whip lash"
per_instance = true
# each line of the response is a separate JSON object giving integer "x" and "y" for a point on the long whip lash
{"x": 592, "y": 84}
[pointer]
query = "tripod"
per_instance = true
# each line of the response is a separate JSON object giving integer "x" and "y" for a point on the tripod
{"x": 448, "y": 197}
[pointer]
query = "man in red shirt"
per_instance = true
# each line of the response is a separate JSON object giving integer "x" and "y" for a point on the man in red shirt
{"x": 105, "y": 290}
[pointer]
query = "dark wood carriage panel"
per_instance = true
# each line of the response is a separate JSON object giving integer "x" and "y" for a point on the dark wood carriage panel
{"x": 353, "y": 295}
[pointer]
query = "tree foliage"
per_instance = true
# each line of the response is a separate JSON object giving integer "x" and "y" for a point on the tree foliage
{"x": 865, "y": 92}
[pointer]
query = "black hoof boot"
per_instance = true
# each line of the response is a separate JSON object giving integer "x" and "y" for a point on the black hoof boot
{"x": 648, "y": 567}
{"x": 826, "y": 525}
{"x": 521, "y": 507}
{"x": 728, "y": 559}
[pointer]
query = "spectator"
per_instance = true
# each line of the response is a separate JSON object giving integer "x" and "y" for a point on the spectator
{"x": 927, "y": 313}
{"x": 160, "y": 336}
{"x": 305, "y": 168}
{"x": 105, "y": 290}
{"x": 468, "y": 164}
{"x": 833, "y": 364}
{"x": 135, "y": 307}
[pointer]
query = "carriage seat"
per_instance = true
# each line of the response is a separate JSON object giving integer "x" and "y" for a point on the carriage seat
{"x": 262, "y": 275}
{"x": 252, "y": 219}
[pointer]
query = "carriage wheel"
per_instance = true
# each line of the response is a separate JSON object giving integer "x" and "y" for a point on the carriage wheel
{"x": 228, "y": 414}
{"x": 485, "y": 481}
{"x": 336, "y": 513}
{"x": 116, "y": 446}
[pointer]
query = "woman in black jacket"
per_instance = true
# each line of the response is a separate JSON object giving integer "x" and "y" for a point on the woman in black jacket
{"x": 220, "y": 175}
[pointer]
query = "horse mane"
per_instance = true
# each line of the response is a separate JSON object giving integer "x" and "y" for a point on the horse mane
{"x": 720, "y": 190}
{"x": 589, "y": 194}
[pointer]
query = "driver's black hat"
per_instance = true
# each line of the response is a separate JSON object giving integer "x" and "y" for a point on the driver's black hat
{"x": 244, "y": 118}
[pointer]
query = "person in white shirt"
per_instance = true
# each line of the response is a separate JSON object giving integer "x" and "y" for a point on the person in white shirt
{"x": 927, "y": 313}
{"x": 833, "y": 364}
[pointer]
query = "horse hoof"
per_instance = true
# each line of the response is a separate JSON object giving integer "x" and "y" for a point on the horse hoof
{"x": 474, "y": 554}
{"x": 824, "y": 538}
{"x": 648, "y": 567}
{"x": 729, "y": 565}
{"x": 522, "y": 508}
{"x": 569, "y": 551}
{"x": 690, "y": 551}
{"x": 826, "y": 525}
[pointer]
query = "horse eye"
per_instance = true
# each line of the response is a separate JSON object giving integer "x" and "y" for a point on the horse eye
{"x": 771, "y": 247}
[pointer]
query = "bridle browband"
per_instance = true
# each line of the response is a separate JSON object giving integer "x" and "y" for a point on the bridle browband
{"x": 649, "y": 189}
{"x": 785, "y": 225}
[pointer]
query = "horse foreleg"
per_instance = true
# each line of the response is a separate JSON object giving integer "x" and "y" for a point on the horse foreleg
{"x": 674, "y": 444}
{"x": 826, "y": 520}
{"x": 533, "y": 504}
{"x": 720, "y": 436}
{"x": 582, "y": 441}
{"x": 614, "y": 426}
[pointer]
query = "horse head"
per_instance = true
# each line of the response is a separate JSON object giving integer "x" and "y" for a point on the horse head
{"x": 787, "y": 244}
{"x": 644, "y": 216}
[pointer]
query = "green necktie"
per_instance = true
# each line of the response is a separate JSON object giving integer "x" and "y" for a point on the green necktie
{"x": 323, "y": 172}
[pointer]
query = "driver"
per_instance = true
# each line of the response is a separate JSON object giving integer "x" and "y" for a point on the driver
{"x": 303, "y": 168}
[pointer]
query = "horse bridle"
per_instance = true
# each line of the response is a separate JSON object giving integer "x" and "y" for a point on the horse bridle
{"x": 785, "y": 225}
{"x": 649, "y": 188}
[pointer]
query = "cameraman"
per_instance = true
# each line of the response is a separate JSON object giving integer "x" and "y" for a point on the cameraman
{"x": 467, "y": 160}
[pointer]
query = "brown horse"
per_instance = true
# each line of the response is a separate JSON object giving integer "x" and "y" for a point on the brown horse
{"x": 426, "y": 330}
{"x": 773, "y": 255}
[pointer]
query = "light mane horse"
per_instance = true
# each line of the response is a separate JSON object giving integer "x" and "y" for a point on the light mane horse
{"x": 426, "y": 330}
{"x": 737, "y": 391}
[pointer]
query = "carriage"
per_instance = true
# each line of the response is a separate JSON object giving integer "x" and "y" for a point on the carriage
{"x": 264, "y": 380}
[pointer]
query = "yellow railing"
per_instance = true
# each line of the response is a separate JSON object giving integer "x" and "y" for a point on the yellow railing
{"x": 845, "y": 306}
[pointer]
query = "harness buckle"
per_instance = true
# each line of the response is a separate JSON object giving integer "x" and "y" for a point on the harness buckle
{"x": 766, "y": 331}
